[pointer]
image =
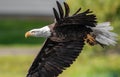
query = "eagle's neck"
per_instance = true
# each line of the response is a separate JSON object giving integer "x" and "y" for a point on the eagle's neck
{"x": 43, "y": 32}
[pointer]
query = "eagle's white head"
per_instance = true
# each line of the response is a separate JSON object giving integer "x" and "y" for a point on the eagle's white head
{"x": 40, "y": 32}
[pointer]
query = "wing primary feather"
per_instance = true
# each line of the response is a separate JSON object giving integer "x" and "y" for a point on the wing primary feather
{"x": 55, "y": 63}
{"x": 67, "y": 9}
{"x": 37, "y": 59}
{"x": 77, "y": 11}
{"x": 56, "y": 14}
{"x": 61, "y": 12}
{"x": 87, "y": 11}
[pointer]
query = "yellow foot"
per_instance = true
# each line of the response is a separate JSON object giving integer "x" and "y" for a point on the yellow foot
{"x": 90, "y": 39}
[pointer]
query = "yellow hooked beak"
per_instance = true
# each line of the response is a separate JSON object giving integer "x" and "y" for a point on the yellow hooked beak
{"x": 27, "y": 34}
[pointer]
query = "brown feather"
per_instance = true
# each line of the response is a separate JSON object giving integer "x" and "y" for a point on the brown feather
{"x": 60, "y": 10}
{"x": 67, "y": 9}
{"x": 77, "y": 11}
{"x": 56, "y": 15}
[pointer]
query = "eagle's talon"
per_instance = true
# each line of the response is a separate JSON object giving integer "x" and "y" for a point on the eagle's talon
{"x": 90, "y": 39}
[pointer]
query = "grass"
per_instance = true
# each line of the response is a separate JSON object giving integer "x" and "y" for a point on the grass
{"x": 14, "y": 66}
{"x": 84, "y": 66}
{"x": 99, "y": 66}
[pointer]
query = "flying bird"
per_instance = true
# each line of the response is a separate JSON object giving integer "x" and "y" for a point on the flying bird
{"x": 65, "y": 39}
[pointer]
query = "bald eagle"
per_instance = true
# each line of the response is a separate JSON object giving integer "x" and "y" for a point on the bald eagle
{"x": 65, "y": 39}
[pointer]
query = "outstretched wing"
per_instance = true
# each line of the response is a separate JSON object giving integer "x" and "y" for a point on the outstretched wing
{"x": 85, "y": 18}
{"x": 54, "y": 57}
{"x": 75, "y": 26}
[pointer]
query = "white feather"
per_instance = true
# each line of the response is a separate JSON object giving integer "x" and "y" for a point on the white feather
{"x": 103, "y": 34}
{"x": 42, "y": 32}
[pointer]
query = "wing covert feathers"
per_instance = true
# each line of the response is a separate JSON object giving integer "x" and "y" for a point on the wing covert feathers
{"x": 55, "y": 57}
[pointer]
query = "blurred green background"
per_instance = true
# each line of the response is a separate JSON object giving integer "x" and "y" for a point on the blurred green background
{"x": 17, "y": 52}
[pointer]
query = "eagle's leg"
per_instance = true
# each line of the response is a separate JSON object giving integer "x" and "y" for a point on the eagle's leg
{"x": 90, "y": 39}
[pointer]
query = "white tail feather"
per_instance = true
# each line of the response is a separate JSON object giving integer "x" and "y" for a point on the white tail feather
{"x": 103, "y": 34}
